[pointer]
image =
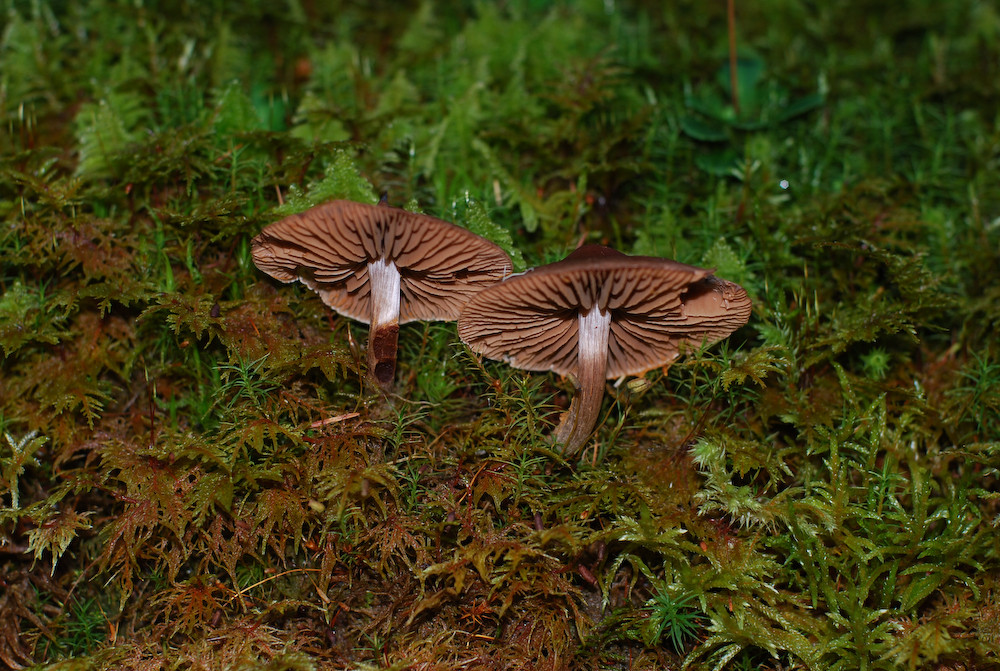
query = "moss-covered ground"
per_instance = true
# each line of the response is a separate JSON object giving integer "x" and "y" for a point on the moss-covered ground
{"x": 194, "y": 475}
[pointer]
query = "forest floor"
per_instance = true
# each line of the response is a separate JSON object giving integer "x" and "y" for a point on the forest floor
{"x": 195, "y": 475}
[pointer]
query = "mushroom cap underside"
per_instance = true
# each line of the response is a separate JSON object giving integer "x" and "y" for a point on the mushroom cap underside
{"x": 531, "y": 320}
{"x": 328, "y": 248}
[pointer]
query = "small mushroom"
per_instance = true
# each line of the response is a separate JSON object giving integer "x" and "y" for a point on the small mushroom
{"x": 598, "y": 315}
{"x": 382, "y": 266}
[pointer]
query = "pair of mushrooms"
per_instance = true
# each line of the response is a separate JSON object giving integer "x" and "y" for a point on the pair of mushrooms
{"x": 596, "y": 315}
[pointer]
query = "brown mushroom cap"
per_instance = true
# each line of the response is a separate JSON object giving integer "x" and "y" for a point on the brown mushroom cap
{"x": 328, "y": 248}
{"x": 600, "y": 314}
{"x": 530, "y": 319}
{"x": 382, "y": 266}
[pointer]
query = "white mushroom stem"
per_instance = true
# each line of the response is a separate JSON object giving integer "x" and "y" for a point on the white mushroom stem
{"x": 383, "y": 278}
{"x": 578, "y": 422}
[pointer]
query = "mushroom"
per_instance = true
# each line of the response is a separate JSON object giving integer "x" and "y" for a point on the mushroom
{"x": 382, "y": 266}
{"x": 597, "y": 315}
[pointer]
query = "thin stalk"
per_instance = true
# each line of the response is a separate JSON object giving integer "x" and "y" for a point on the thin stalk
{"x": 577, "y": 424}
{"x": 384, "y": 279}
{"x": 733, "y": 79}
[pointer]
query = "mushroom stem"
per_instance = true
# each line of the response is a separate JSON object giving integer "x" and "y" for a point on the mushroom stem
{"x": 578, "y": 422}
{"x": 383, "y": 277}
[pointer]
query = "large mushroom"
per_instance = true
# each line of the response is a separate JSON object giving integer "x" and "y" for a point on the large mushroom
{"x": 382, "y": 266}
{"x": 598, "y": 315}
